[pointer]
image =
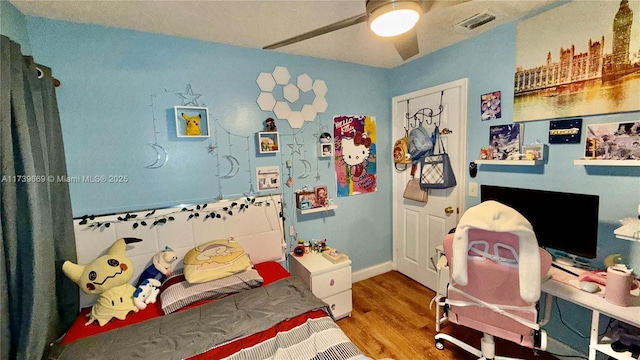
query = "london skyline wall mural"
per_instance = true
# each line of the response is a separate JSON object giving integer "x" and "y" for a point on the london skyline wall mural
{"x": 579, "y": 59}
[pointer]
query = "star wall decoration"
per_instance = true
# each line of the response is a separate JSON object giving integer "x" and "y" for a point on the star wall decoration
{"x": 188, "y": 97}
{"x": 295, "y": 144}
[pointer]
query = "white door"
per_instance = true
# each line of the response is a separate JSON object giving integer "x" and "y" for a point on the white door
{"x": 419, "y": 227}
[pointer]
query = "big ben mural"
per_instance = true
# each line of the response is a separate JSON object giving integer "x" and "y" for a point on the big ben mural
{"x": 567, "y": 69}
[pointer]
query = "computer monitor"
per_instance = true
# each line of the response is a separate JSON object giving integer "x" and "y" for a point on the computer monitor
{"x": 562, "y": 221}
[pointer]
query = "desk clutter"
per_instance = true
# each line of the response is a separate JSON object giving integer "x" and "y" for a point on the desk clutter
{"x": 320, "y": 247}
{"x": 615, "y": 284}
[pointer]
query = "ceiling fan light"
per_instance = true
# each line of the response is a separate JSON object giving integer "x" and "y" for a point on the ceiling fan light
{"x": 394, "y": 18}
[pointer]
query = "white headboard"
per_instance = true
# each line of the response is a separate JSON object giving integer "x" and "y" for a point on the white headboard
{"x": 255, "y": 223}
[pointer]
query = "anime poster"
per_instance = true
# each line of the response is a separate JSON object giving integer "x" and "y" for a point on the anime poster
{"x": 613, "y": 141}
{"x": 355, "y": 154}
{"x": 505, "y": 140}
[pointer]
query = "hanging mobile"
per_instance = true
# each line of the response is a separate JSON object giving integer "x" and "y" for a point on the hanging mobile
{"x": 161, "y": 154}
{"x": 289, "y": 181}
{"x": 235, "y": 165}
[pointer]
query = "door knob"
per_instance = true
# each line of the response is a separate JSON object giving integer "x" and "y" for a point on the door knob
{"x": 448, "y": 210}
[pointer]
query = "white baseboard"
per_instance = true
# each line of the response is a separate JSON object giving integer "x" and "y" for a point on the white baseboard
{"x": 371, "y": 271}
{"x": 558, "y": 348}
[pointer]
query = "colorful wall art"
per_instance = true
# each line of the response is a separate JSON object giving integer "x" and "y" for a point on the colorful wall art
{"x": 355, "y": 154}
{"x": 566, "y": 69}
{"x": 613, "y": 141}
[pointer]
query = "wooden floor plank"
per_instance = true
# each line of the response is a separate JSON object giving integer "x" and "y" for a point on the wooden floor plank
{"x": 391, "y": 319}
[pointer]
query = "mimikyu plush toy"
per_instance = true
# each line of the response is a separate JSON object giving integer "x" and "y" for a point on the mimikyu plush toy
{"x": 107, "y": 276}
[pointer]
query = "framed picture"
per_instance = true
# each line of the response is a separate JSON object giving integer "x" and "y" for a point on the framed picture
{"x": 565, "y": 131}
{"x": 563, "y": 69}
{"x": 268, "y": 142}
{"x": 505, "y": 140}
{"x": 490, "y": 106}
{"x": 613, "y": 141}
{"x": 325, "y": 150}
{"x": 192, "y": 121}
{"x": 321, "y": 196}
{"x": 268, "y": 178}
{"x": 305, "y": 199}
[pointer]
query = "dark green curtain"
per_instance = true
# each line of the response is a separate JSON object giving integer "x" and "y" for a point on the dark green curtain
{"x": 37, "y": 302}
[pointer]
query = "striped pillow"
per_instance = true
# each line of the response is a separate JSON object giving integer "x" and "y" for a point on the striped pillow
{"x": 176, "y": 292}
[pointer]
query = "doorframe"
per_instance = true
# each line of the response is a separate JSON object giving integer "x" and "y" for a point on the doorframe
{"x": 462, "y": 148}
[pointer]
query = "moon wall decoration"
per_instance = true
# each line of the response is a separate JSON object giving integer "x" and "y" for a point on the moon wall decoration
{"x": 235, "y": 167}
{"x": 307, "y": 169}
{"x": 161, "y": 156}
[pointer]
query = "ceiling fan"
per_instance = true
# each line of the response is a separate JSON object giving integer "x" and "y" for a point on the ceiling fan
{"x": 394, "y": 19}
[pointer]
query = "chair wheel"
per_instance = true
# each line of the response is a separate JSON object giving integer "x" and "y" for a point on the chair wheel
{"x": 439, "y": 344}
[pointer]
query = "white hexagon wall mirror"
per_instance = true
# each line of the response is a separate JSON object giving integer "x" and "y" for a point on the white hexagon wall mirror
{"x": 291, "y": 93}
{"x": 305, "y": 83}
{"x": 266, "y": 82}
{"x": 295, "y": 119}
{"x": 320, "y": 104}
{"x": 282, "y": 110}
{"x": 319, "y": 88}
{"x": 266, "y": 101}
{"x": 280, "y": 76}
{"x": 309, "y": 112}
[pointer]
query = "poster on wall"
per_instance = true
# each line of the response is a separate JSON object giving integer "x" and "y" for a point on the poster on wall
{"x": 355, "y": 154}
{"x": 566, "y": 69}
{"x": 613, "y": 141}
{"x": 505, "y": 140}
{"x": 490, "y": 106}
{"x": 565, "y": 131}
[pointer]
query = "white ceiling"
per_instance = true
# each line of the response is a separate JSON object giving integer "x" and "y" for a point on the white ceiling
{"x": 255, "y": 24}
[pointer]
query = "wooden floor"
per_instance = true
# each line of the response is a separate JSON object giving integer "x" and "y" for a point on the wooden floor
{"x": 391, "y": 319}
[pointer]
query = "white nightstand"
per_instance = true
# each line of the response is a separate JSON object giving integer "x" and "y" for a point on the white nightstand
{"x": 328, "y": 281}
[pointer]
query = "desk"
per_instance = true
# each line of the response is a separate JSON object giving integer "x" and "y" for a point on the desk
{"x": 598, "y": 305}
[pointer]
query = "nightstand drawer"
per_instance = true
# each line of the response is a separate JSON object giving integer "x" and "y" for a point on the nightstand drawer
{"x": 331, "y": 283}
{"x": 340, "y": 304}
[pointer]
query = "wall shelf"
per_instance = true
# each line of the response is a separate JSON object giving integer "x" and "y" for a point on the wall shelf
{"x": 318, "y": 209}
{"x": 509, "y": 162}
{"x": 630, "y": 238}
{"x": 597, "y": 162}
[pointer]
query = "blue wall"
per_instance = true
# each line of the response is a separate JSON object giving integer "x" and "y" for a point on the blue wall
{"x": 13, "y": 24}
{"x": 488, "y": 61}
{"x": 109, "y": 76}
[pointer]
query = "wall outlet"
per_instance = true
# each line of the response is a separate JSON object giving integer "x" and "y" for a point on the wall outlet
{"x": 473, "y": 189}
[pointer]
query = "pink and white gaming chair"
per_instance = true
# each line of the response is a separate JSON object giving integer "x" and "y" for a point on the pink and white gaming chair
{"x": 496, "y": 270}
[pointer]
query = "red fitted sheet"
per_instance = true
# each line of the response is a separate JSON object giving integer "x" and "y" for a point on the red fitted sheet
{"x": 270, "y": 271}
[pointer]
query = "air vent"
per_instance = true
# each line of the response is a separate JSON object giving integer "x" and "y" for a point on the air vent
{"x": 476, "y": 20}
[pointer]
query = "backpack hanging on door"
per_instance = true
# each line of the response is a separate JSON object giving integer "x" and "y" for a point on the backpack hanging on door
{"x": 401, "y": 153}
{"x": 420, "y": 143}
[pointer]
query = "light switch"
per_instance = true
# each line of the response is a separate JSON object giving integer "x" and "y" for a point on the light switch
{"x": 473, "y": 189}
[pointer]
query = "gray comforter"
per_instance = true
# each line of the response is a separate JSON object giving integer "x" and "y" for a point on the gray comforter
{"x": 194, "y": 331}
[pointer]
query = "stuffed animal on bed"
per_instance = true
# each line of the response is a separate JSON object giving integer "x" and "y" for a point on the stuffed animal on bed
{"x": 146, "y": 293}
{"x": 107, "y": 276}
{"x": 148, "y": 285}
{"x": 160, "y": 268}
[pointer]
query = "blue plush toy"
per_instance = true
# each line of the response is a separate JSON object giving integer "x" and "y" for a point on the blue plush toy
{"x": 161, "y": 266}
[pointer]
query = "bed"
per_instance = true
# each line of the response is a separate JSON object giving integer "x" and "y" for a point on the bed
{"x": 260, "y": 313}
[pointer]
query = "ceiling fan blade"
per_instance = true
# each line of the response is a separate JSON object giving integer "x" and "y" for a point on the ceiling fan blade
{"x": 406, "y": 44}
{"x": 319, "y": 31}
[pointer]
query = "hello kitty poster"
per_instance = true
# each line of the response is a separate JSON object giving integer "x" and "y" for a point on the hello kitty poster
{"x": 355, "y": 154}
